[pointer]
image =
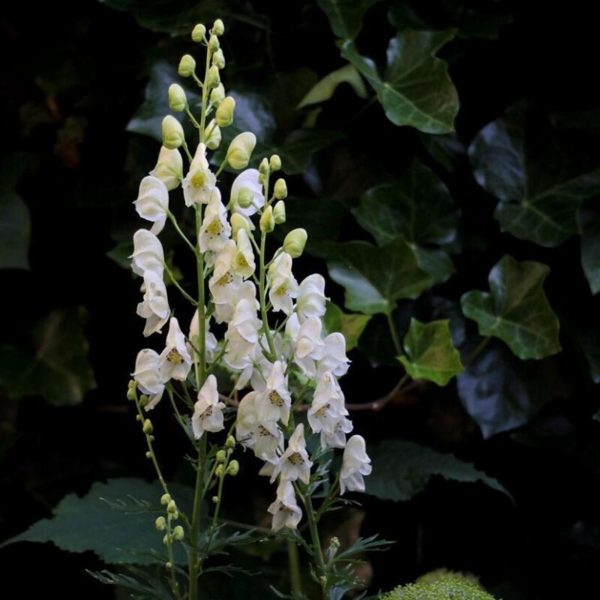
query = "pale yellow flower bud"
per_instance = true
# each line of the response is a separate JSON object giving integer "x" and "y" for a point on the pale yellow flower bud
{"x": 279, "y": 213}
{"x": 177, "y": 98}
{"x": 245, "y": 197}
{"x": 267, "y": 220}
{"x": 215, "y": 499}
{"x": 230, "y": 443}
{"x": 240, "y": 150}
{"x": 280, "y": 189}
{"x": 220, "y": 471}
{"x": 294, "y": 242}
{"x": 218, "y": 59}
{"x": 172, "y": 507}
{"x": 239, "y": 222}
{"x": 225, "y": 112}
{"x": 187, "y": 66}
{"x": 172, "y": 133}
{"x": 217, "y": 95}
{"x": 275, "y": 162}
{"x": 213, "y": 139}
{"x": 165, "y": 499}
{"x": 218, "y": 27}
{"x": 213, "y": 79}
{"x": 263, "y": 167}
{"x": 161, "y": 524}
{"x": 178, "y": 533}
{"x": 213, "y": 43}
{"x": 198, "y": 33}
{"x": 234, "y": 468}
{"x": 221, "y": 456}
{"x": 148, "y": 427}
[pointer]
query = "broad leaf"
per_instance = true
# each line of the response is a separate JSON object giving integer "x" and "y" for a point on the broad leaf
{"x": 346, "y": 16}
{"x": 430, "y": 353}
{"x": 325, "y": 88}
{"x": 376, "y": 278}
{"x": 114, "y": 519}
{"x": 539, "y": 180}
{"x": 516, "y": 310}
{"x": 401, "y": 470}
{"x": 350, "y": 325}
{"x": 589, "y": 225}
{"x": 415, "y": 88}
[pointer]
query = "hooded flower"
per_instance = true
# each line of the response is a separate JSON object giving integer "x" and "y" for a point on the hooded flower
{"x": 194, "y": 336}
{"x": 208, "y": 410}
{"x": 242, "y": 335}
{"x": 147, "y": 376}
{"x": 283, "y": 284}
{"x": 215, "y": 230}
{"x": 309, "y": 345}
{"x": 224, "y": 283}
{"x": 285, "y": 509}
{"x": 264, "y": 437}
{"x": 200, "y": 181}
{"x": 152, "y": 203}
{"x": 355, "y": 465}
{"x": 243, "y": 262}
{"x": 246, "y": 291}
{"x": 155, "y": 306}
{"x": 148, "y": 254}
{"x": 311, "y": 298}
{"x": 276, "y": 402}
{"x": 175, "y": 360}
{"x": 334, "y": 357}
{"x": 247, "y": 179}
{"x": 294, "y": 463}
{"x": 169, "y": 168}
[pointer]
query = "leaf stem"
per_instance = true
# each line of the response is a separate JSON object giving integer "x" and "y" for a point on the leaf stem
{"x": 394, "y": 333}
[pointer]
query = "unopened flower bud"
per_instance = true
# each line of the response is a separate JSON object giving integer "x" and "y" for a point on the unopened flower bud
{"x": 218, "y": 27}
{"x": 161, "y": 524}
{"x": 213, "y": 79}
{"x": 230, "y": 443}
{"x": 225, "y": 112}
{"x": 234, "y": 468}
{"x": 267, "y": 220}
{"x": 131, "y": 390}
{"x": 221, "y": 456}
{"x": 275, "y": 162}
{"x": 239, "y": 222}
{"x": 143, "y": 400}
{"x": 219, "y": 471}
{"x": 335, "y": 542}
{"x": 172, "y": 133}
{"x": 168, "y": 565}
{"x": 213, "y": 139}
{"x": 294, "y": 242}
{"x": 240, "y": 150}
{"x": 148, "y": 427}
{"x": 217, "y": 95}
{"x": 280, "y": 189}
{"x": 198, "y": 33}
{"x": 279, "y": 213}
{"x": 172, "y": 507}
{"x": 166, "y": 539}
{"x": 178, "y": 533}
{"x": 215, "y": 499}
{"x": 148, "y": 454}
{"x": 213, "y": 43}
{"x": 245, "y": 198}
{"x": 165, "y": 499}
{"x": 218, "y": 59}
{"x": 264, "y": 166}
{"x": 177, "y": 98}
{"x": 187, "y": 65}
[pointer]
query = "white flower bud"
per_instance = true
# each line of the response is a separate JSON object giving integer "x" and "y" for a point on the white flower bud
{"x": 263, "y": 167}
{"x": 294, "y": 242}
{"x": 213, "y": 139}
{"x": 218, "y": 27}
{"x": 217, "y": 95}
{"x": 187, "y": 66}
{"x": 280, "y": 190}
{"x": 267, "y": 220}
{"x": 279, "y": 213}
{"x": 213, "y": 79}
{"x": 240, "y": 150}
{"x": 172, "y": 133}
{"x": 225, "y": 112}
{"x": 198, "y": 33}
{"x": 275, "y": 162}
{"x": 178, "y": 533}
{"x": 213, "y": 43}
{"x": 239, "y": 222}
{"x": 169, "y": 168}
{"x": 177, "y": 98}
{"x": 218, "y": 59}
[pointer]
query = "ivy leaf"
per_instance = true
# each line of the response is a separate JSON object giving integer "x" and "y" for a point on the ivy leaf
{"x": 588, "y": 218}
{"x": 346, "y": 16}
{"x": 415, "y": 88}
{"x": 114, "y": 519}
{"x": 539, "y": 179}
{"x": 350, "y": 325}
{"x": 430, "y": 353}
{"x": 376, "y": 278}
{"x": 402, "y": 469}
{"x": 324, "y": 89}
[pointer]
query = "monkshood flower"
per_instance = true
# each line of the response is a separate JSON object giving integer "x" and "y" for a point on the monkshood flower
{"x": 147, "y": 376}
{"x": 253, "y": 194}
{"x": 175, "y": 360}
{"x": 208, "y": 410}
{"x": 148, "y": 253}
{"x": 155, "y": 306}
{"x": 242, "y": 335}
{"x": 263, "y": 437}
{"x": 311, "y": 298}
{"x": 334, "y": 357}
{"x": 245, "y": 291}
{"x": 211, "y": 342}
{"x": 169, "y": 168}
{"x": 285, "y": 509}
{"x": 200, "y": 181}
{"x": 244, "y": 264}
{"x": 309, "y": 345}
{"x": 215, "y": 230}
{"x": 294, "y": 463}
{"x": 283, "y": 284}
{"x": 276, "y": 402}
{"x": 152, "y": 203}
{"x": 355, "y": 465}
{"x": 224, "y": 283}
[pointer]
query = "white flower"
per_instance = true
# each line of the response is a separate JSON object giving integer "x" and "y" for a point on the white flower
{"x": 264, "y": 437}
{"x": 215, "y": 230}
{"x": 208, "y": 410}
{"x": 175, "y": 360}
{"x": 243, "y": 262}
{"x": 152, "y": 203}
{"x": 355, "y": 465}
{"x": 294, "y": 463}
{"x": 276, "y": 402}
{"x": 334, "y": 357}
{"x": 283, "y": 285}
{"x": 210, "y": 344}
{"x": 285, "y": 510}
{"x": 311, "y": 298}
{"x": 147, "y": 376}
{"x": 309, "y": 345}
{"x": 247, "y": 179}
{"x": 200, "y": 181}
{"x": 155, "y": 307}
{"x": 148, "y": 254}
{"x": 245, "y": 291}
{"x": 169, "y": 168}
{"x": 242, "y": 335}
{"x": 224, "y": 283}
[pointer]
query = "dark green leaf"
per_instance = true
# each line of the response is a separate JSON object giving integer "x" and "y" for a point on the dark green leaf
{"x": 415, "y": 88}
{"x": 516, "y": 310}
{"x": 346, "y": 16}
{"x": 351, "y": 326}
{"x": 589, "y": 225}
{"x": 430, "y": 353}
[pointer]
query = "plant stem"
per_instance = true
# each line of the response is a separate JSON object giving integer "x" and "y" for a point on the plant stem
{"x": 316, "y": 542}
{"x": 394, "y": 333}
{"x": 263, "y": 303}
{"x": 195, "y": 529}
{"x": 294, "y": 566}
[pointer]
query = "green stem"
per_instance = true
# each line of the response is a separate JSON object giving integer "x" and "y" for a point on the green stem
{"x": 316, "y": 542}
{"x": 394, "y": 333}
{"x": 294, "y": 567}
{"x": 195, "y": 529}
{"x": 176, "y": 284}
{"x": 262, "y": 293}
{"x": 181, "y": 234}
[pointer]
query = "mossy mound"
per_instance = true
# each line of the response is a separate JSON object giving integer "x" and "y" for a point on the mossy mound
{"x": 449, "y": 587}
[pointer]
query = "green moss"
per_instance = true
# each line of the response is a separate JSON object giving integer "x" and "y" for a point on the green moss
{"x": 448, "y": 587}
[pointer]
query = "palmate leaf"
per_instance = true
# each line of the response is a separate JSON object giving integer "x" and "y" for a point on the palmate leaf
{"x": 415, "y": 88}
{"x": 350, "y": 325}
{"x": 588, "y": 219}
{"x": 430, "y": 353}
{"x": 346, "y": 16}
{"x": 516, "y": 310}
{"x": 539, "y": 180}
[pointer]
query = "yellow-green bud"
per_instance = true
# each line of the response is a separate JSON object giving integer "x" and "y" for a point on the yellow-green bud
{"x": 215, "y": 499}
{"x": 144, "y": 400}
{"x": 213, "y": 43}
{"x": 172, "y": 133}
{"x": 245, "y": 198}
{"x": 148, "y": 427}
{"x": 168, "y": 565}
{"x": 213, "y": 79}
{"x": 187, "y": 66}
{"x": 275, "y": 162}
{"x": 217, "y": 95}
{"x": 240, "y": 150}
{"x": 221, "y": 456}
{"x": 225, "y": 112}
{"x": 264, "y": 166}
{"x": 178, "y": 533}
{"x": 177, "y": 98}
{"x": 234, "y": 468}
{"x": 280, "y": 189}
{"x": 172, "y": 507}
{"x": 213, "y": 139}
{"x": 294, "y": 242}
{"x": 239, "y": 222}
{"x": 218, "y": 59}
{"x": 198, "y": 33}
{"x": 219, "y": 471}
{"x": 165, "y": 499}
{"x": 131, "y": 390}
{"x": 279, "y": 213}
{"x": 230, "y": 443}
{"x": 166, "y": 539}
{"x": 218, "y": 27}
{"x": 267, "y": 220}
{"x": 161, "y": 524}
{"x": 148, "y": 454}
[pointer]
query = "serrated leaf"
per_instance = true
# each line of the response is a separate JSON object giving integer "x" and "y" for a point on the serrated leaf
{"x": 516, "y": 310}
{"x": 540, "y": 181}
{"x": 350, "y": 325}
{"x": 324, "y": 89}
{"x": 430, "y": 353}
{"x": 376, "y": 278}
{"x": 402, "y": 469}
{"x": 125, "y": 535}
{"x": 415, "y": 88}
{"x": 346, "y": 16}
{"x": 588, "y": 219}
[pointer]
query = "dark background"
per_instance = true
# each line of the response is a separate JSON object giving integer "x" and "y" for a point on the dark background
{"x": 71, "y": 77}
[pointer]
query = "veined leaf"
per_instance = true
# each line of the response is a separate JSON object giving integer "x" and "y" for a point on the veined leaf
{"x": 346, "y": 16}
{"x": 350, "y": 325}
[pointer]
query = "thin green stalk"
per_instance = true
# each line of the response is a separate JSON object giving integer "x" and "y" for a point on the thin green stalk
{"x": 262, "y": 293}
{"x": 316, "y": 543}
{"x": 176, "y": 284}
{"x": 294, "y": 567}
{"x": 195, "y": 529}
{"x": 394, "y": 333}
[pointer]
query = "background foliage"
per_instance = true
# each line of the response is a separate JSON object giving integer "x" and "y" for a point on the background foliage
{"x": 443, "y": 156}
